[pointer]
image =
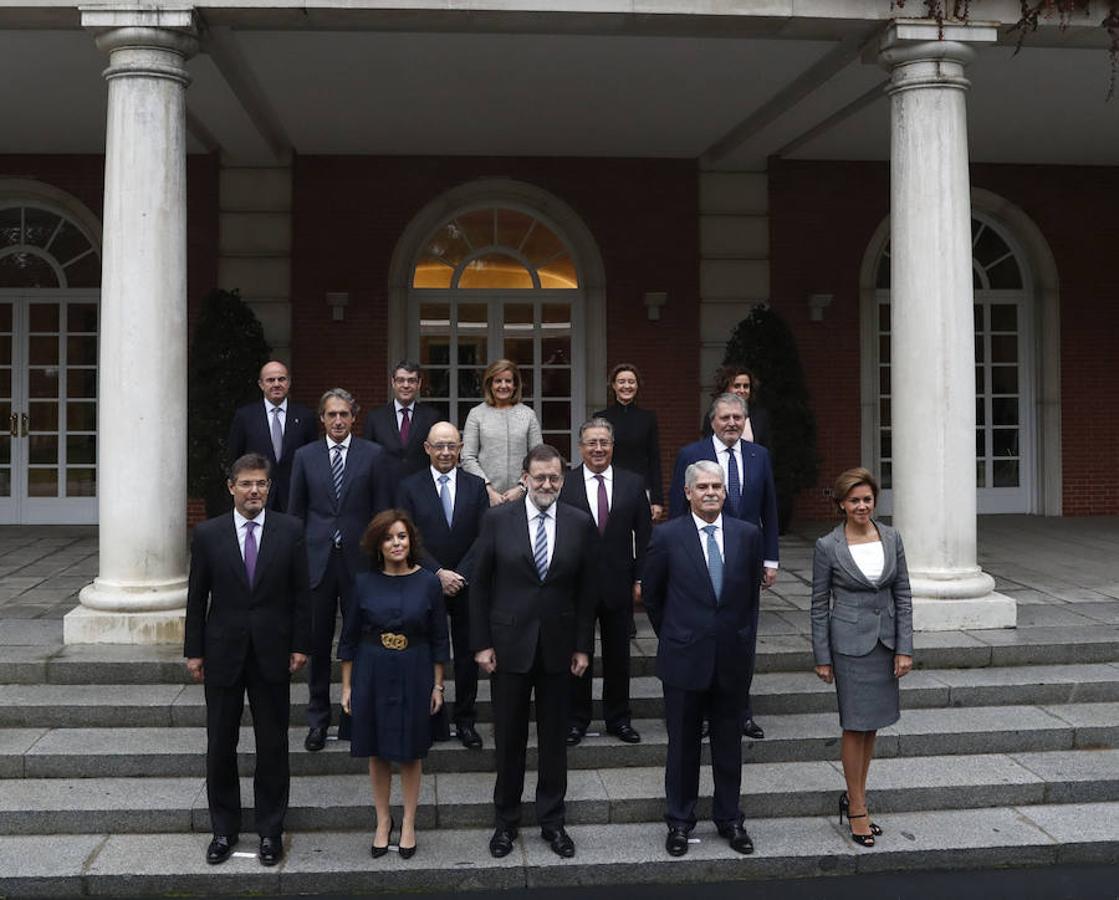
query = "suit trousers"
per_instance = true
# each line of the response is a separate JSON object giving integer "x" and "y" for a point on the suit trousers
{"x": 684, "y": 712}
{"x": 332, "y": 592}
{"x": 748, "y": 708}
{"x": 466, "y": 670}
{"x": 270, "y": 704}
{"x": 613, "y": 627}
{"x": 511, "y": 693}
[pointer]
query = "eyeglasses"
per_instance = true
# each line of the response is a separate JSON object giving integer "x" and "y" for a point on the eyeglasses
{"x": 249, "y": 485}
{"x": 540, "y": 480}
{"x": 443, "y": 447}
{"x": 599, "y": 442}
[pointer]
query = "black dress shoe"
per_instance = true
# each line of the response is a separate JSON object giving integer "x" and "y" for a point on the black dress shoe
{"x": 574, "y": 735}
{"x": 316, "y": 739}
{"x": 752, "y": 729}
{"x": 220, "y": 848}
{"x": 677, "y": 842}
{"x": 271, "y": 850}
{"x": 625, "y": 733}
{"x": 739, "y": 840}
{"x": 501, "y": 844}
{"x": 469, "y": 737}
{"x": 559, "y": 840}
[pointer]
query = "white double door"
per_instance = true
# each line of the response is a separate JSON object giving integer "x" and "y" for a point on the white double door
{"x": 48, "y": 406}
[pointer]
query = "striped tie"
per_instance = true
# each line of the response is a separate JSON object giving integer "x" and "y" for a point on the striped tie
{"x": 336, "y": 470}
{"x": 540, "y": 551}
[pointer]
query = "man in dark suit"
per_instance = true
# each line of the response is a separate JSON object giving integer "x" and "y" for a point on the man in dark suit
{"x": 531, "y": 623}
{"x": 275, "y": 428}
{"x": 616, "y": 500}
{"x": 337, "y": 486}
{"x": 700, "y": 585}
{"x": 751, "y": 496}
{"x": 401, "y": 425}
{"x": 447, "y": 505}
{"x": 248, "y": 628}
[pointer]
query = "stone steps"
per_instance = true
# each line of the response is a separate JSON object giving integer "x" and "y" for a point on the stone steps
{"x": 174, "y": 751}
{"x": 778, "y": 693}
{"x": 456, "y": 859}
{"x": 595, "y": 796}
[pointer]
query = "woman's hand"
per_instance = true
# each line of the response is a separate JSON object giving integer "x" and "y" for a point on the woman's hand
{"x": 658, "y": 512}
{"x": 436, "y": 699}
{"x": 496, "y": 498}
{"x": 902, "y": 665}
{"x": 346, "y": 696}
{"x": 516, "y": 492}
{"x": 824, "y": 673}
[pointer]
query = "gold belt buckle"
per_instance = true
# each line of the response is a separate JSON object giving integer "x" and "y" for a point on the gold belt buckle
{"x": 391, "y": 641}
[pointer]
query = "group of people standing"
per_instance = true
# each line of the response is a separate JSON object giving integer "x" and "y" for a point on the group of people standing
{"x": 416, "y": 524}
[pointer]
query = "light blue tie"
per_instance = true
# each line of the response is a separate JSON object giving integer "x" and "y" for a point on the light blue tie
{"x": 540, "y": 551}
{"x": 277, "y": 434}
{"x": 445, "y": 498}
{"x": 734, "y": 484}
{"x": 714, "y": 561}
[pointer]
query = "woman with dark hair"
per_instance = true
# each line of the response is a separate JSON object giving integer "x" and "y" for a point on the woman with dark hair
{"x": 637, "y": 443}
{"x": 499, "y": 432}
{"x": 393, "y": 647}
{"x": 742, "y": 382}
{"x": 862, "y": 633}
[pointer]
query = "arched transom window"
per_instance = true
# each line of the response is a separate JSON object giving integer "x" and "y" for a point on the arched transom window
{"x": 40, "y": 248}
{"x": 498, "y": 281}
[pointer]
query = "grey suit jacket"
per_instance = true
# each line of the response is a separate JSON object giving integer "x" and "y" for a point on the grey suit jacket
{"x": 850, "y": 614}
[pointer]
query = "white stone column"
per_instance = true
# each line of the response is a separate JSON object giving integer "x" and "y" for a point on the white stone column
{"x": 932, "y": 362}
{"x": 140, "y": 590}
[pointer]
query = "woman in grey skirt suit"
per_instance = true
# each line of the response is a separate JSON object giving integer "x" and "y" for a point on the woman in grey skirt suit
{"x": 862, "y": 633}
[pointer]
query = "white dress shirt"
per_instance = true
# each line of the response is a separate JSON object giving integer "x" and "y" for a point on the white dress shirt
{"x": 345, "y": 445}
{"x": 870, "y": 559}
{"x": 591, "y": 482}
{"x": 549, "y": 526}
{"x": 452, "y": 481}
{"x": 239, "y": 520}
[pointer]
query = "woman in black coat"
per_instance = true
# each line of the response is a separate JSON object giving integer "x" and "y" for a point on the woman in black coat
{"x": 741, "y": 381}
{"x": 637, "y": 443}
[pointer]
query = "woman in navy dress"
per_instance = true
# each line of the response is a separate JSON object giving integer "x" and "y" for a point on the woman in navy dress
{"x": 393, "y": 647}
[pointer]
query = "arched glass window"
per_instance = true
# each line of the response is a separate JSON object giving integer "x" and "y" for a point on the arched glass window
{"x": 40, "y": 248}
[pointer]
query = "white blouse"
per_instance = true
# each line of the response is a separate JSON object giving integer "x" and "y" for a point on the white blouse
{"x": 869, "y": 558}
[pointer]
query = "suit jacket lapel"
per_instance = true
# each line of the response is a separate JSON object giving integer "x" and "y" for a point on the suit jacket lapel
{"x": 889, "y": 554}
{"x": 265, "y": 427}
{"x": 521, "y": 518}
{"x": 267, "y": 549}
{"x": 579, "y": 476}
{"x": 393, "y": 429}
{"x": 846, "y": 561}
{"x": 352, "y": 458}
{"x": 433, "y": 495}
{"x": 231, "y": 547}
{"x": 693, "y": 548}
{"x": 291, "y": 426}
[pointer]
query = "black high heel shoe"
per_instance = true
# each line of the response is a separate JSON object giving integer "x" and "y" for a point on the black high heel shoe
{"x": 377, "y": 852}
{"x": 844, "y": 806}
{"x": 863, "y": 840}
{"x": 406, "y": 852}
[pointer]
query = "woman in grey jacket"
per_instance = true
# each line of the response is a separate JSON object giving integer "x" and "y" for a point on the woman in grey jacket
{"x": 862, "y": 633}
{"x": 499, "y": 433}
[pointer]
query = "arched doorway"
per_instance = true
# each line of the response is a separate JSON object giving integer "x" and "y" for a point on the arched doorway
{"x": 50, "y": 276}
{"x": 500, "y": 269}
{"x": 1017, "y": 470}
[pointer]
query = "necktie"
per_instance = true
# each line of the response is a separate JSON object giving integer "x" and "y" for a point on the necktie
{"x": 250, "y": 551}
{"x": 540, "y": 551}
{"x": 336, "y": 470}
{"x": 603, "y": 505}
{"x": 277, "y": 434}
{"x": 714, "y": 561}
{"x": 405, "y": 425}
{"x": 445, "y": 498}
{"x": 734, "y": 484}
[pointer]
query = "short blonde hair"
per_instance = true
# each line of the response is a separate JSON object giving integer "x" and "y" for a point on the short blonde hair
{"x": 492, "y": 371}
{"x": 850, "y": 480}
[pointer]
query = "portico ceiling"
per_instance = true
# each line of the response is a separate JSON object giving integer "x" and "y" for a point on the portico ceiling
{"x": 487, "y": 93}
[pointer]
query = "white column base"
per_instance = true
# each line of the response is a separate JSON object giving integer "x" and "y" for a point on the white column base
{"x": 993, "y": 610}
{"x": 93, "y": 626}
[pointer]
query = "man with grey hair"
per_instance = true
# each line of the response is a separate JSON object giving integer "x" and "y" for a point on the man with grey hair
{"x": 615, "y": 499}
{"x": 751, "y": 495}
{"x": 337, "y": 486}
{"x": 700, "y": 584}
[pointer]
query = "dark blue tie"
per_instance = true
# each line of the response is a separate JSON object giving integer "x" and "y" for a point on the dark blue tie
{"x": 734, "y": 484}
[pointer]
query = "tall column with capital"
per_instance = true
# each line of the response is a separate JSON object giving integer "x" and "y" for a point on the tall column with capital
{"x": 140, "y": 591}
{"x": 932, "y": 360}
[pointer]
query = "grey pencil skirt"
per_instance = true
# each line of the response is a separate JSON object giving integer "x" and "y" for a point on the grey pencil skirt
{"x": 866, "y": 689}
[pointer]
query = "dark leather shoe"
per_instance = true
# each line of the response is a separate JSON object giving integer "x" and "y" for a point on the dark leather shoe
{"x": 501, "y": 844}
{"x": 677, "y": 842}
{"x": 752, "y": 729}
{"x": 625, "y": 733}
{"x": 316, "y": 739}
{"x": 574, "y": 735}
{"x": 739, "y": 840}
{"x": 560, "y": 841}
{"x": 220, "y": 848}
{"x": 271, "y": 850}
{"x": 469, "y": 737}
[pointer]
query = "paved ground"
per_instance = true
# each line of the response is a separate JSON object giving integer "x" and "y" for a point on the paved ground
{"x": 1063, "y": 572}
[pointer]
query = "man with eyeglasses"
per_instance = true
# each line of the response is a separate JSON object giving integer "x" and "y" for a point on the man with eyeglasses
{"x": 532, "y": 627}
{"x": 447, "y": 505}
{"x": 617, "y": 502}
{"x": 402, "y": 424}
{"x": 248, "y": 628}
